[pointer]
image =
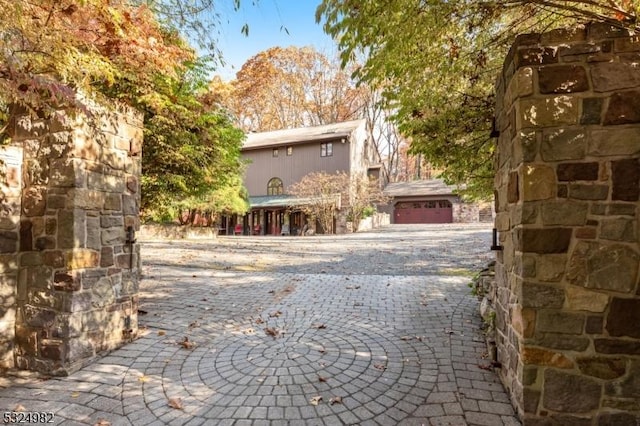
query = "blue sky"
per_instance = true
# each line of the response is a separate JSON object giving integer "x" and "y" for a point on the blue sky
{"x": 267, "y": 20}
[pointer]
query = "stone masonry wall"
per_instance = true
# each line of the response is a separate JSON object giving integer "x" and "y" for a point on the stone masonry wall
{"x": 567, "y": 193}
{"x": 77, "y": 286}
{"x": 465, "y": 212}
{"x": 10, "y": 190}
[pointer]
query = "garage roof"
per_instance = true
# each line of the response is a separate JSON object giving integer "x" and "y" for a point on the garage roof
{"x": 419, "y": 188}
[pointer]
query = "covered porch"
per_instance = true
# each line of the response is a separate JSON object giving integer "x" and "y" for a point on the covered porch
{"x": 274, "y": 215}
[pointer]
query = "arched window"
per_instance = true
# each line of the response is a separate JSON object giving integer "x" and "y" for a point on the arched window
{"x": 274, "y": 187}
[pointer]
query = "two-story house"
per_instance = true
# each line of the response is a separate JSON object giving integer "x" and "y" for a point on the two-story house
{"x": 278, "y": 159}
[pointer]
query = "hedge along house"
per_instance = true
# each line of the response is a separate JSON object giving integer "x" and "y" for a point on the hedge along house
{"x": 278, "y": 159}
{"x": 432, "y": 201}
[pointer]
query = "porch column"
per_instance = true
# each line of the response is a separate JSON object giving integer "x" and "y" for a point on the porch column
{"x": 262, "y": 221}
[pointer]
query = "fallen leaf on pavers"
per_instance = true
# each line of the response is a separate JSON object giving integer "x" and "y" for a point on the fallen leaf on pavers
{"x": 187, "y": 344}
{"x": 322, "y": 379}
{"x": 380, "y": 367}
{"x": 161, "y": 332}
{"x": 272, "y": 291}
{"x": 175, "y": 403}
{"x": 75, "y": 394}
{"x": 335, "y": 400}
{"x": 249, "y": 331}
{"x": 319, "y": 326}
{"x": 275, "y": 314}
{"x": 143, "y": 379}
{"x": 322, "y": 350}
{"x": 270, "y": 331}
{"x": 259, "y": 321}
{"x": 315, "y": 400}
{"x": 19, "y": 407}
{"x": 102, "y": 422}
{"x": 406, "y": 338}
{"x": 194, "y": 324}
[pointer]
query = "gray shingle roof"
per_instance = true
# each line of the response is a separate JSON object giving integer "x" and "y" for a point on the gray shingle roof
{"x": 299, "y": 135}
{"x": 419, "y": 188}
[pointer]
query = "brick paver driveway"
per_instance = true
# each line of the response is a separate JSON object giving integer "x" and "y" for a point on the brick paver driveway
{"x": 374, "y": 328}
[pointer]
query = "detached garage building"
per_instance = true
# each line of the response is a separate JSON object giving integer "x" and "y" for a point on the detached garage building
{"x": 432, "y": 201}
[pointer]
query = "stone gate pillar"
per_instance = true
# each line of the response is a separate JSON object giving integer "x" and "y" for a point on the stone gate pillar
{"x": 567, "y": 196}
{"x": 10, "y": 190}
{"x": 78, "y": 263}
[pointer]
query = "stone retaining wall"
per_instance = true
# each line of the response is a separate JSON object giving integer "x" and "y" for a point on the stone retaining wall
{"x": 377, "y": 220}
{"x": 175, "y": 232}
{"x": 465, "y": 212}
{"x": 567, "y": 297}
{"x": 77, "y": 264}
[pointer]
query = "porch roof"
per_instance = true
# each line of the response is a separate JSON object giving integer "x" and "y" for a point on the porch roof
{"x": 282, "y": 201}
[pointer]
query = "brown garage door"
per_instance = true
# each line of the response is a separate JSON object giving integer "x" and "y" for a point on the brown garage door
{"x": 434, "y": 211}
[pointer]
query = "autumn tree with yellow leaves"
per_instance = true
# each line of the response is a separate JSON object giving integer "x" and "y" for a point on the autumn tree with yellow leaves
{"x": 58, "y": 53}
{"x": 436, "y": 63}
{"x": 291, "y": 87}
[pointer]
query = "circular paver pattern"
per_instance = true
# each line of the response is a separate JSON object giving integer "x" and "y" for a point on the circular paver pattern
{"x": 309, "y": 360}
{"x": 255, "y": 330}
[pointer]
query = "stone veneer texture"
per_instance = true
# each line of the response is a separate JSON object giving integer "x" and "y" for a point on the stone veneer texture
{"x": 10, "y": 190}
{"x": 77, "y": 271}
{"x": 567, "y": 296}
